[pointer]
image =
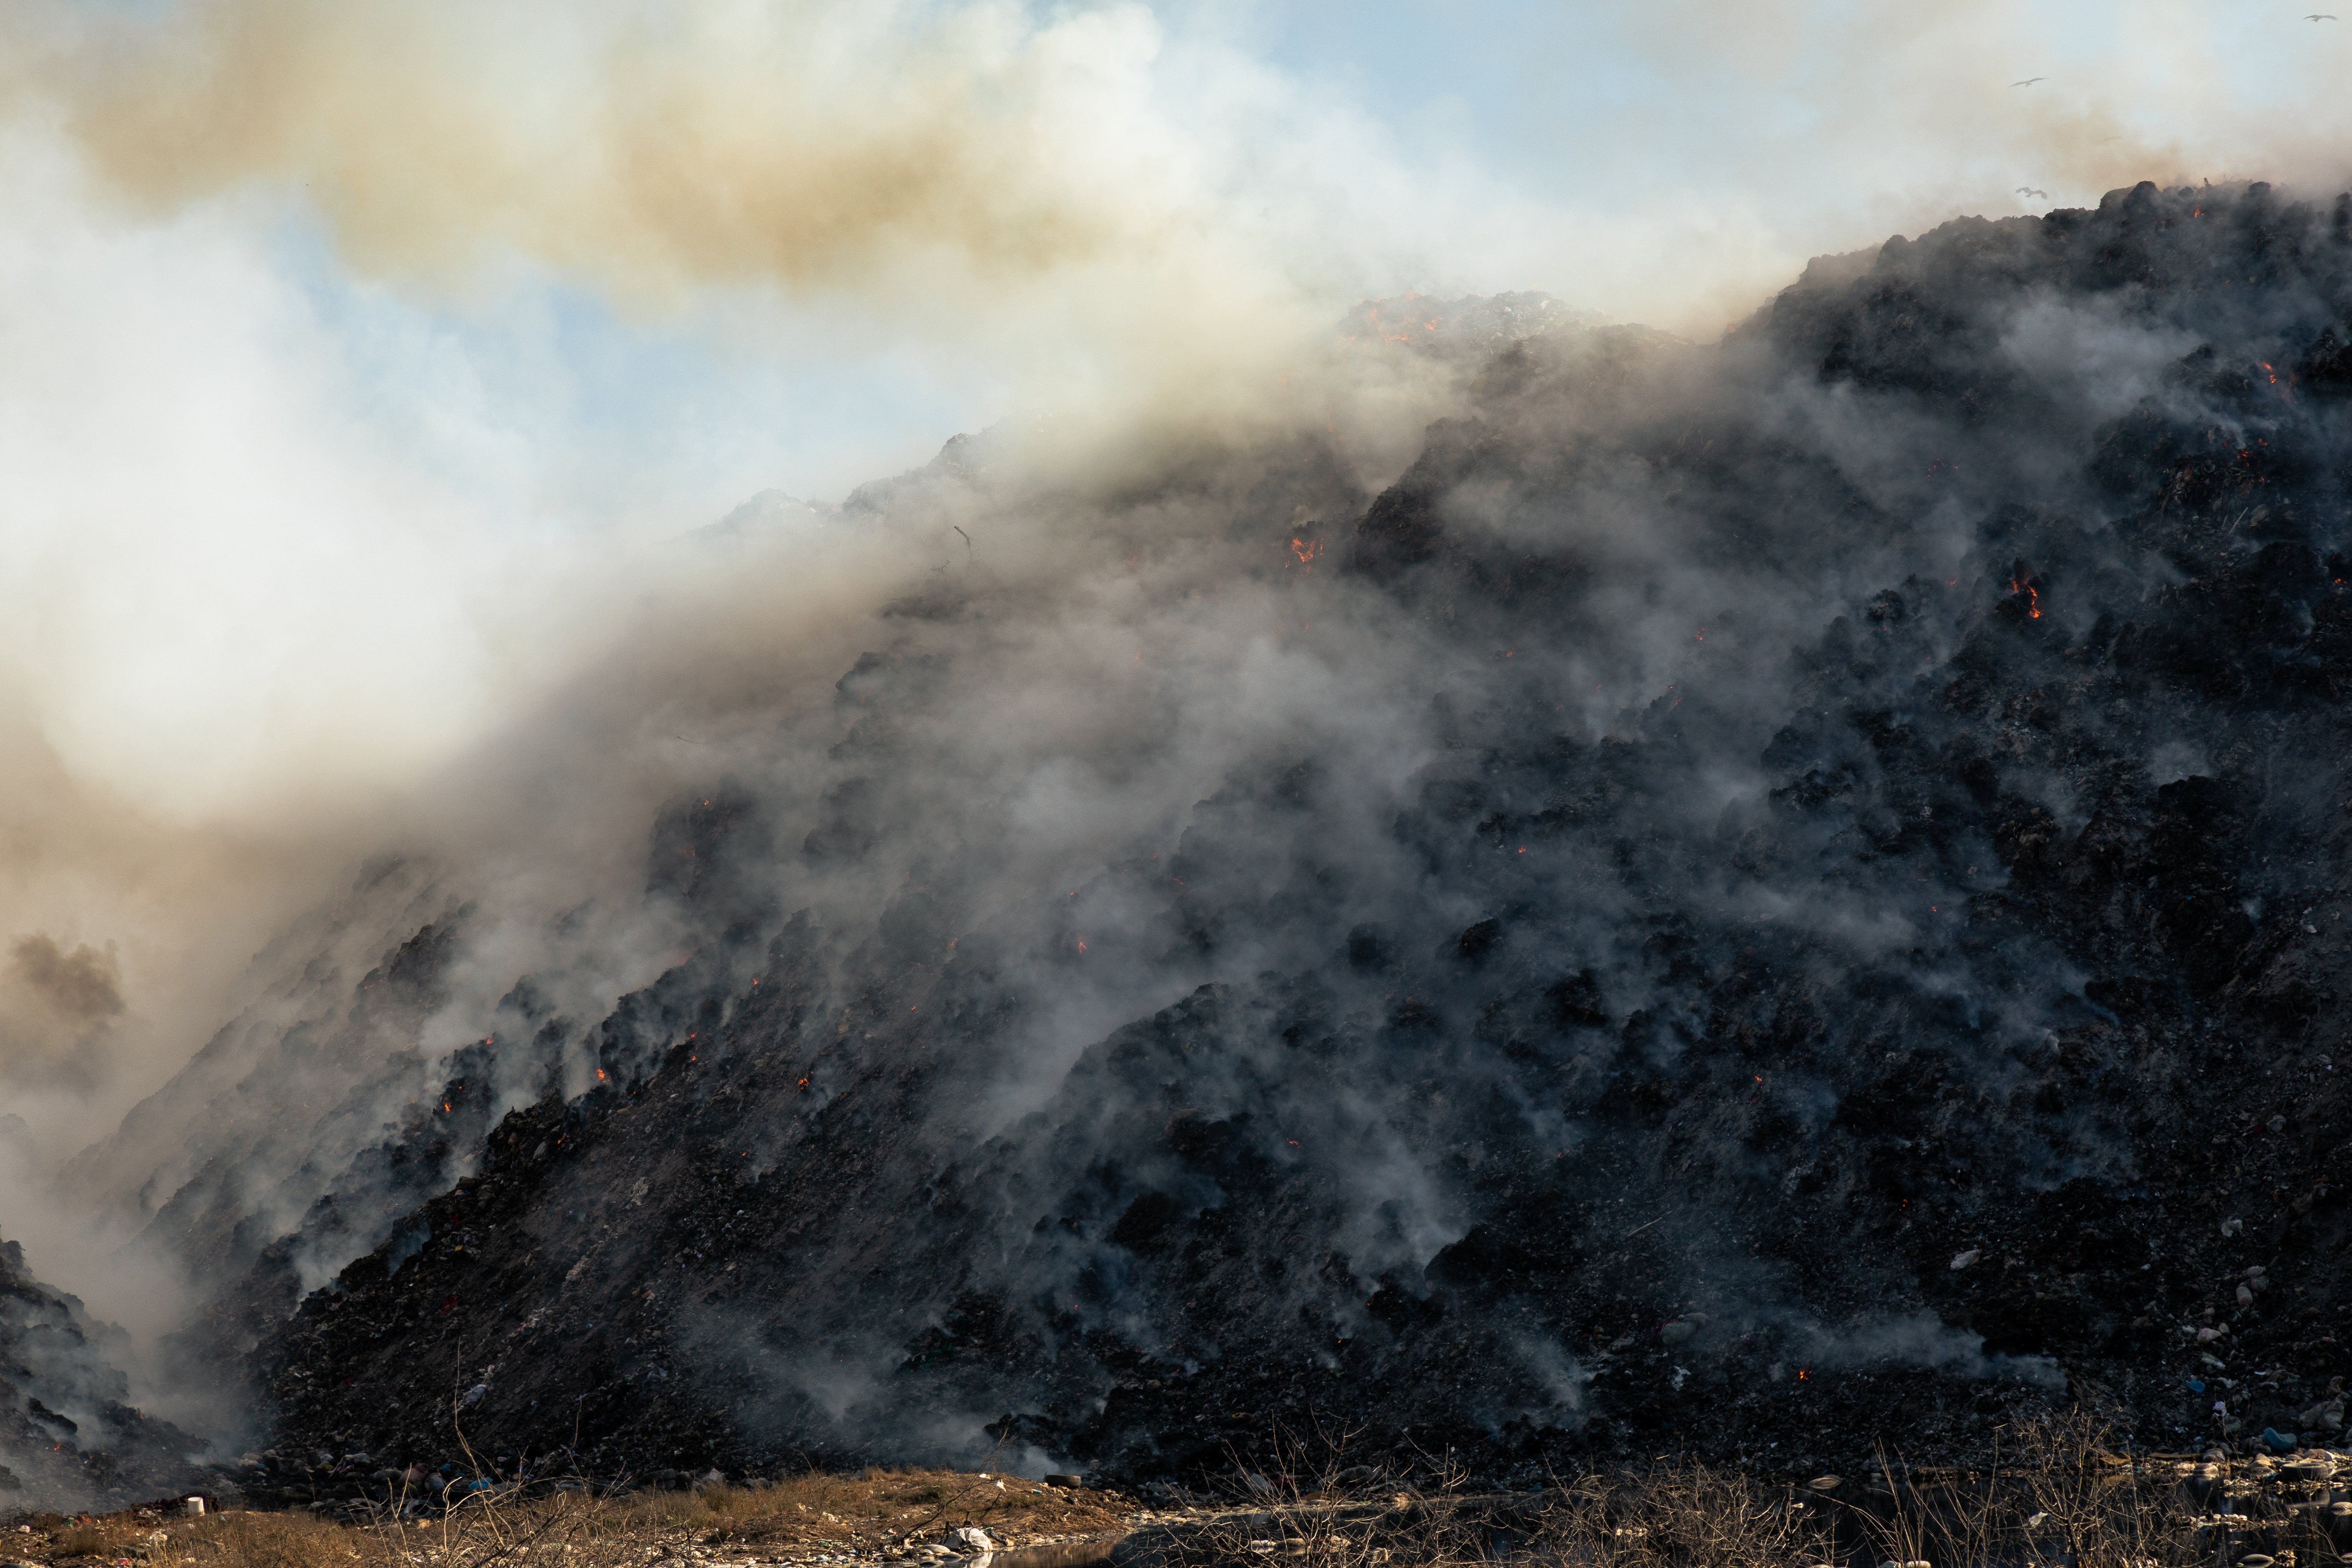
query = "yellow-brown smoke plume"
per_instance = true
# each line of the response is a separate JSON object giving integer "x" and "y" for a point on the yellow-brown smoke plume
{"x": 649, "y": 150}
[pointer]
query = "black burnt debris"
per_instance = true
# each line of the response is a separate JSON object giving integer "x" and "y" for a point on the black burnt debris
{"x": 1854, "y": 958}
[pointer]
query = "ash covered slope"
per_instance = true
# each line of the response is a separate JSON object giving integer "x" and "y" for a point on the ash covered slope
{"x": 1786, "y": 894}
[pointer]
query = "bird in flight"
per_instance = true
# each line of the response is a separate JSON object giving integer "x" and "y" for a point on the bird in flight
{"x": 2028, "y": 81}
{"x": 2321, "y": 17}
{"x": 2030, "y": 191}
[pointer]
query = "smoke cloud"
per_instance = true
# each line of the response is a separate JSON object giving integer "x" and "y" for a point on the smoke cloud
{"x": 976, "y": 174}
{"x": 800, "y": 143}
{"x": 55, "y": 1007}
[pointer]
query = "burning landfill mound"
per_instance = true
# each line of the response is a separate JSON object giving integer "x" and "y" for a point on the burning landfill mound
{"x": 1765, "y": 900}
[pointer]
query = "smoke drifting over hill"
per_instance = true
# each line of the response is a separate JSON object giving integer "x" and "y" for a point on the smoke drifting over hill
{"x": 1516, "y": 882}
{"x": 1716, "y": 905}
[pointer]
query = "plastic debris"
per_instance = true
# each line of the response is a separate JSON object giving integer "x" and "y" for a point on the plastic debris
{"x": 972, "y": 1537}
{"x": 2278, "y": 1442}
{"x": 1963, "y": 1259}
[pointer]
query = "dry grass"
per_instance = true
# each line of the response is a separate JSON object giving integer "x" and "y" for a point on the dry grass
{"x": 262, "y": 1540}
{"x": 1693, "y": 1515}
{"x": 2060, "y": 1497}
{"x": 2057, "y": 1497}
{"x": 868, "y": 1511}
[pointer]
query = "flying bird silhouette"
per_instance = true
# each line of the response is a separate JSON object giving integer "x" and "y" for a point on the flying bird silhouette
{"x": 2028, "y": 81}
{"x": 2321, "y": 17}
{"x": 2030, "y": 191}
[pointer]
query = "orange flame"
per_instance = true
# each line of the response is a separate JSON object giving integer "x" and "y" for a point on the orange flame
{"x": 2032, "y": 598}
{"x": 1307, "y": 550}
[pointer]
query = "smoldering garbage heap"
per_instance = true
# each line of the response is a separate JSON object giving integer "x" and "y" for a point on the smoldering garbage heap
{"x": 1851, "y": 956}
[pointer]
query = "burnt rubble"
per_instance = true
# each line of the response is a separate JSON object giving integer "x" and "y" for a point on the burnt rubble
{"x": 1862, "y": 962}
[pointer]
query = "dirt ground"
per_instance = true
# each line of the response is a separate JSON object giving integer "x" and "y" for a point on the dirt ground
{"x": 881, "y": 1515}
{"x": 2066, "y": 1497}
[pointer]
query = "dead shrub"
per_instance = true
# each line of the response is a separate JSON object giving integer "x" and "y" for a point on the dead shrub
{"x": 82, "y": 1541}
{"x": 1688, "y": 1517}
{"x": 267, "y": 1541}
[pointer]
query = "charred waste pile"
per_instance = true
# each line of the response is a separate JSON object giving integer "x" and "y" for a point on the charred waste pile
{"x": 1764, "y": 900}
